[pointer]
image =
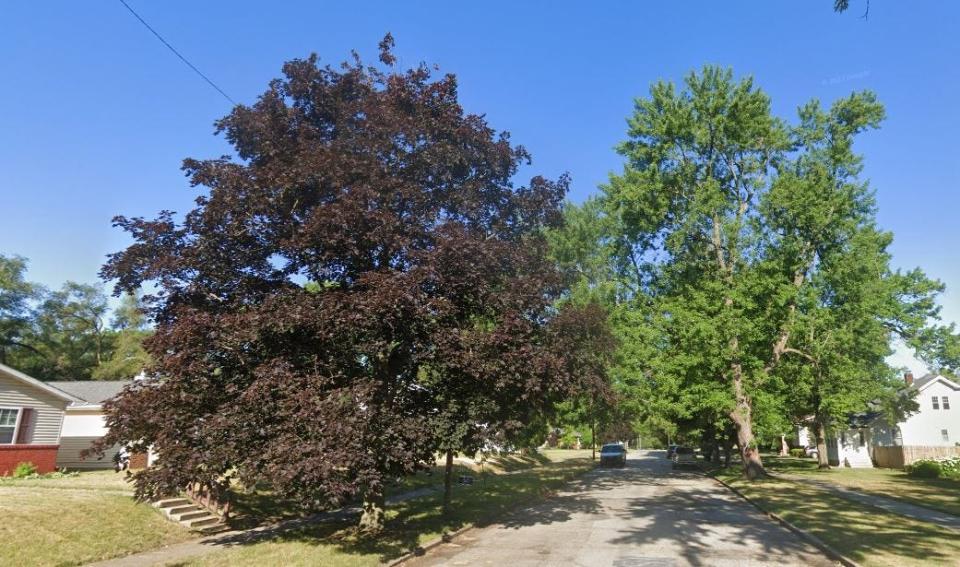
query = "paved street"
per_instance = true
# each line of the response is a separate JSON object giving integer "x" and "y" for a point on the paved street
{"x": 642, "y": 516}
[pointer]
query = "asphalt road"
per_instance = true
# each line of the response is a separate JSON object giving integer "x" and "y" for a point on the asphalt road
{"x": 644, "y": 515}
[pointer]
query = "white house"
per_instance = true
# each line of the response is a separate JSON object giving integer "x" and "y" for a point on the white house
{"x": 84, "y": 423}
{"x": 935, "y": 427}
{"x": 937, "y": 423}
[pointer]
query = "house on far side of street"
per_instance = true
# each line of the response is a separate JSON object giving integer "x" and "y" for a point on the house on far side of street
{"x": 933, "y": 431}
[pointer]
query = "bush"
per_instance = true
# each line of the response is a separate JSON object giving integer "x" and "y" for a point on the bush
{"x": 925, "y": 469}
{"x": 950, "y": 468}
{"x": 797, "y": 452}
{"x": 24, "y": 470}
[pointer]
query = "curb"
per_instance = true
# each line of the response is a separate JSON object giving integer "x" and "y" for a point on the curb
{"x": 422, "y": 549}
{"x": 814, "y": 540}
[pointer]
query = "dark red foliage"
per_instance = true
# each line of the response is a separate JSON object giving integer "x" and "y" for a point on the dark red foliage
{"x": 367, "y": 234}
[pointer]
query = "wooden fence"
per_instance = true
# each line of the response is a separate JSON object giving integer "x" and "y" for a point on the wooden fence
{"x": 899, "y": 457}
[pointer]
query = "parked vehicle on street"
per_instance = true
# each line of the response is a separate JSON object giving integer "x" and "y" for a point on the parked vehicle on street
{"x": 811, "y": 451}
{"x": 671, "y": 449}
{"x": 613, "y": 455}
{"x": 684, "y": 457}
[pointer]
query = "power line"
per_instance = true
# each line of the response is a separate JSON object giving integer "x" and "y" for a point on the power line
{"x": 177, "y": 53}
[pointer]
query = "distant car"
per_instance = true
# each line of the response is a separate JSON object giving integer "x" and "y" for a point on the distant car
{"x": 684, "y": 457}
{"x": 613, "y": 455}
{"x": 671, "y": 449}
{"x": 811, "y": 452}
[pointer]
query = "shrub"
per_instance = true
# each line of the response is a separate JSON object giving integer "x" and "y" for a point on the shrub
{"x": 925, "y": 469}
{"x": 797, "y": 452}
{"x": 950, "y": 468}
{"x": 24, "y": 470}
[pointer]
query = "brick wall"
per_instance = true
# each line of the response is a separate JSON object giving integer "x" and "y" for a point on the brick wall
{"x": 44, "y": 457}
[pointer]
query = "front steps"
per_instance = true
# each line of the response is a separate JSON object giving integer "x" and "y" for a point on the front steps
{"x": 191, "y": 516}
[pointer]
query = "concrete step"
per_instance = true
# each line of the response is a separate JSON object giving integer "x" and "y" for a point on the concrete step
{"x": 213, "y": 529}
{"x": 181, "y": 509}
{"x": 171, "y": 502}
{"x": 191, "y": 515}
{"x": 206, "y": 520}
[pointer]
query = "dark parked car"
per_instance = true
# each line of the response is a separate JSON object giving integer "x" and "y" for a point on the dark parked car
{"x": 671, "y": 449}
{"x": 613, "y": 455}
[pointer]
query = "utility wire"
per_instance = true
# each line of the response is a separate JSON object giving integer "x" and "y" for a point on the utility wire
{"x": 177, "y": 53}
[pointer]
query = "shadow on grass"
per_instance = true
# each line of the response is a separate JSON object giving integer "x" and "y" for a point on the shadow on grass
{"x": 413, "y": 522}
{"x": 857, "y": 530}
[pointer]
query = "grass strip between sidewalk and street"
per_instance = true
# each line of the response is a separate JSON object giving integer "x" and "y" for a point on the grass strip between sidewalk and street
{"x": 409, "y": 524}
{"x": 867, "y": 535}
{"x": 941, "y": 494}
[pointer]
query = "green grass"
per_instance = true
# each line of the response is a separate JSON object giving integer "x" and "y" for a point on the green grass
{"x": 261, "y": 506}
{"x": 77, "y": 519}
{"x": 410, "y": 523}
{"x": 870, "y": 536}
{"x": 936, "y": 493}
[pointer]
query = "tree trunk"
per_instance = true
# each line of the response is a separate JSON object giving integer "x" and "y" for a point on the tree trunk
{"x": 447, "y": 482}
{"x": 784, "y": 450}
{"x": 372, "y": 519}
{"x": 823, "y": 460}
{"x": 727, "y": 449}
{"x": 743, "y": 420}
{"x": 593, "y": 438}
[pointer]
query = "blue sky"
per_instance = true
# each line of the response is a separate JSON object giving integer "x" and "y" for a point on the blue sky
{"x": 97, "y": 114}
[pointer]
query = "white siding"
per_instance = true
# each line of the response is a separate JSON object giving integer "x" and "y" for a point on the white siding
{"x": 80, "y": 429}
{"x": 924, "y": 427}
{"x": 48, "y": 414}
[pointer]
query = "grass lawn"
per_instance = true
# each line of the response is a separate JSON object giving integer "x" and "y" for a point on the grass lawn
{"x": 262, "y": 507}
{"x": 409, "y": 523}
{"x": 937, "y": 493}
{"x": 867, "y": 535}
{"x": 78, "y": 519}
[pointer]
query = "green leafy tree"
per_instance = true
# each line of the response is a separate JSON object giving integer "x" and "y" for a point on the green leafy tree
{"x": 16, "y": 294}
{"x": 698, "y": 162}
{"x": 70, "y": 334}
{"x": 128, "y": 357}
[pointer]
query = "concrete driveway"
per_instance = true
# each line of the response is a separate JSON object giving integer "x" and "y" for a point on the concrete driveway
{"x": 644, "y": 515}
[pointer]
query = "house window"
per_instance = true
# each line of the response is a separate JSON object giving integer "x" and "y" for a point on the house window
{"x": 8, "y": 425}
{"x": 944, "y": 434}
{"x": 936, "y": 402}
{"x": 945, "y": 402}
{"x": 862, "y": 440}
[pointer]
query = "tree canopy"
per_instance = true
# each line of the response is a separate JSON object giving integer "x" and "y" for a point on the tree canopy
{"x": 739, "y": 255}
{"x": 362, "y": 286}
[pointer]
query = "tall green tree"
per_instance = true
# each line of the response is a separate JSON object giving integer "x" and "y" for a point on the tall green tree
{"x": 127, "y": 357}
{"x": 16, "y": 294}
{"x": 71, "y": 332}
{"x": 698, "y": 162}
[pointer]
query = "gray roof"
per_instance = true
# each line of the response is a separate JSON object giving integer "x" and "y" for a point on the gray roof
{"x": 92, "y": 391}
{"x": 921, "y": 382}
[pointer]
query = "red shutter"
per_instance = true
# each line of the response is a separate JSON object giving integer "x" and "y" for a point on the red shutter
{"x": 26, "y": 420}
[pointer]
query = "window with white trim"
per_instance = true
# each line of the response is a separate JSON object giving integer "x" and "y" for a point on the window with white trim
{"x": 936, "y": 402}
{"x": 944, "y": 402}
{"x": 8, "y": 425}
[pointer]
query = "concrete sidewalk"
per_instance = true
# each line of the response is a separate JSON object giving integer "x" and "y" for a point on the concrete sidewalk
{"x": 892, "y": 505}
